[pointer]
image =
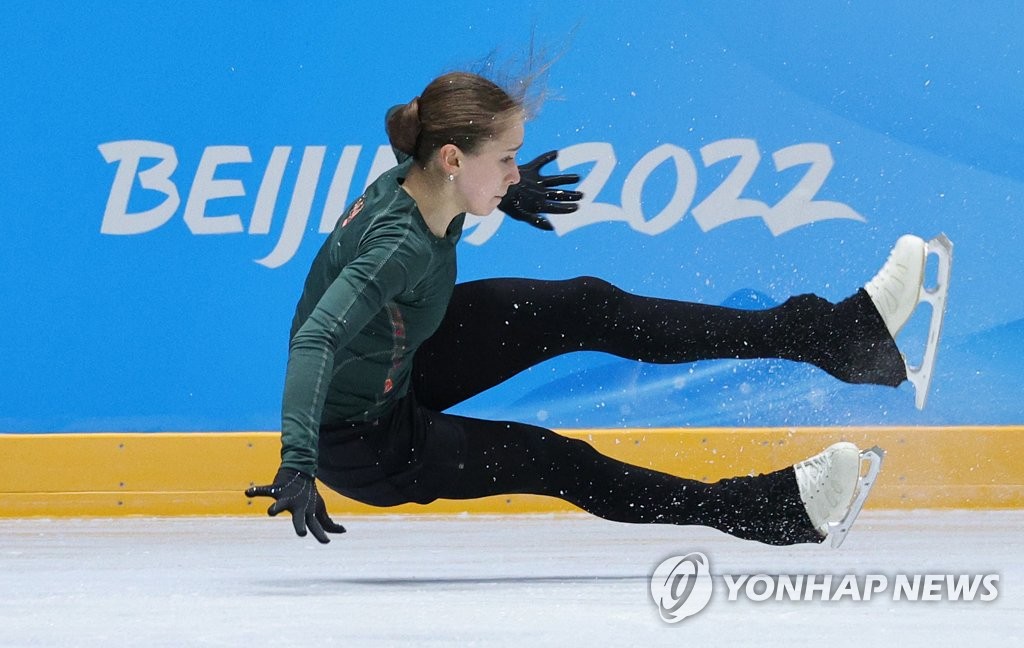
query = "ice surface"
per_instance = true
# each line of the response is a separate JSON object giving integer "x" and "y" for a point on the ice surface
{"x": 445, "y": 581}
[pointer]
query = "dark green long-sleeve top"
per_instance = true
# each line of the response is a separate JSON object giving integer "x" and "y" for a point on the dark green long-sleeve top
{"x": 377, "y": 289}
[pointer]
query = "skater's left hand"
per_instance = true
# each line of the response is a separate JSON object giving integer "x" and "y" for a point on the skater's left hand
{"x": 296, "y": 492}
{"x": 534, "y": 194}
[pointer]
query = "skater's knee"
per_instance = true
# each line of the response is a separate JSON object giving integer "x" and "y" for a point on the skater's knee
{"x": 593, "y": 293}
{"x": 576, "y": 452}
{"x": 556, "y": 450}
{"x": 807, "y": 304}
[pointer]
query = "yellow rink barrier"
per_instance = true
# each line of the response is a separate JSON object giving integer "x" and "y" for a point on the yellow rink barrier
{"x": 205, "y": 473}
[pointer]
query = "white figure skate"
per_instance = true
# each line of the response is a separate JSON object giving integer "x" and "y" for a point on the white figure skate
{"x": 899, "y": 288}
{"x": 833, "y": 488}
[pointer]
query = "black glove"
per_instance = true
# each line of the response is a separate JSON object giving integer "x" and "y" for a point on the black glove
{"x": 525, "y": 201}
{"x": 296, "y": 492}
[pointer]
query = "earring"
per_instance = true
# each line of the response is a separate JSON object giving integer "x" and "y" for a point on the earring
{"x": 451, "y": 177}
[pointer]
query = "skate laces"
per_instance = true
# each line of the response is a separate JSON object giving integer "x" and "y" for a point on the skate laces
{"x": 882, "y": 288}
{"x": 895, "y": 289}
{"x": 813, "y": 477}
{"x": 827, "y": 483}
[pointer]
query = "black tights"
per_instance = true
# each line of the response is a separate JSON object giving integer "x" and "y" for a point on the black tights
{"x": 502, "y": 458}
{"x": 497, "y": 328}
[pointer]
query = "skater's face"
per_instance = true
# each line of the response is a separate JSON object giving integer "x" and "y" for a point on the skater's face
{"x": 482, "y": 178}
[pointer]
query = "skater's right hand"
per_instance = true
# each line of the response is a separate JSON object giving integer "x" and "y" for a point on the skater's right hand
{"x": 296, "y": 492}
{"x": 535, "y": 194}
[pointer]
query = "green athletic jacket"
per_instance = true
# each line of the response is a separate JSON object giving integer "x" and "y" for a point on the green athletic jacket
{"x": 377, "y": 289}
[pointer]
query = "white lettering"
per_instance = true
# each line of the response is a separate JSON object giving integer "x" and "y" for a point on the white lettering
{"x": 266, "y": 197}
{"x": 905, "y": 590}
{"x": 299, "y": 208}
{"x": 734, "y": 583}
{"x": 479, "y": 229}
{"x": 205, "y": 188}
{"x": 873, "y": 584}
{"x": 724, "y": 204}
{"x": 822, "y": 589}
{"x": 682, "y": 198}
{"x": 933, "y": 587}
{"x": 989, "y": 584}
{"x": 811, "y": 587}
{"x": 798, "y": 207}
{"x": 590, "y": 212}
{"x": 847, "y": 587}
{"x": 962, "y": 587}
{"x": 128, "y": 154}
{"x": 767, "y": 591}
{"x": 790, "y": 589}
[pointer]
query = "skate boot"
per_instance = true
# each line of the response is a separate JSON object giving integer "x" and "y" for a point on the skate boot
{"x": 899, "y": 287}
{"x": 832, "y": 488}
{"x": 896, "y": 289}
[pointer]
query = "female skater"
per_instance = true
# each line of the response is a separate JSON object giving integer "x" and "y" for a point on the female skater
{"x": 383, "y": 341}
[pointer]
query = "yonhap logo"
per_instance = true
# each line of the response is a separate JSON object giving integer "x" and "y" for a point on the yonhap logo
{"x": 681, "y": 586}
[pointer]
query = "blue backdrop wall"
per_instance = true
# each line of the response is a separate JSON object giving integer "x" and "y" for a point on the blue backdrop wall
{"x": 168, "y": 172}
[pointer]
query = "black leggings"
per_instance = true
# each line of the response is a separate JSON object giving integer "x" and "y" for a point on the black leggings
{"x": 494, "y": 329}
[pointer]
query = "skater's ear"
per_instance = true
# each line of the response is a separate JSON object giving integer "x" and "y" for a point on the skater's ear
{"x": 450, "y": 158}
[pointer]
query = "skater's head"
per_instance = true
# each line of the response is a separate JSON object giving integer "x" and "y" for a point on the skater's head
{"x": 459, "y": 109}
{"x": 465, "y": 130}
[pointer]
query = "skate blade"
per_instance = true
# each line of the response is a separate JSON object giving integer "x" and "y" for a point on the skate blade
{"x": 921, "y": 375}
{"x": 838, "y": 530}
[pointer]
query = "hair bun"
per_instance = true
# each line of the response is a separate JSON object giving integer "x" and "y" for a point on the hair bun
{"x": 404, "y": 127}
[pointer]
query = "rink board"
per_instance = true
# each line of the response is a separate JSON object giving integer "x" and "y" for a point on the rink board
{"x": 205, "y": 474}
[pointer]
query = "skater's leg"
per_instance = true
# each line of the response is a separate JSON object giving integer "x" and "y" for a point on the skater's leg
{"x": 496, "y": 328}
{"x": 507, "y": 458}
{"x": 413, "y": 454}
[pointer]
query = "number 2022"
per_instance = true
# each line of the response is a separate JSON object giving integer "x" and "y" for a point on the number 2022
{"x": 724, "y": 204}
